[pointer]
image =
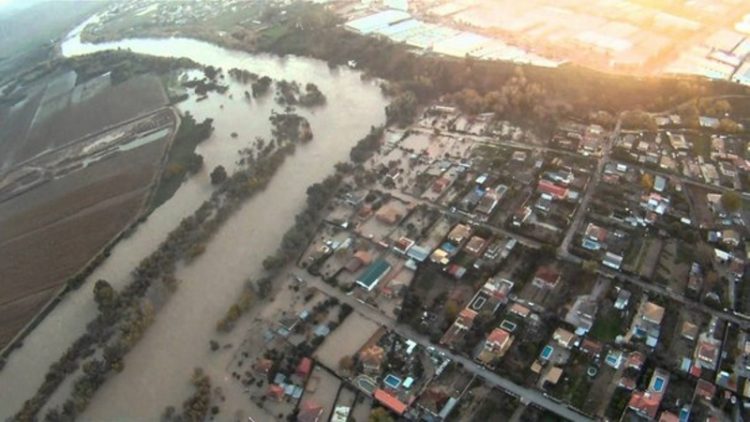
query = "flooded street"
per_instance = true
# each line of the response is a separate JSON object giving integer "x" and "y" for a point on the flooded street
{"x": 158, "y": 368}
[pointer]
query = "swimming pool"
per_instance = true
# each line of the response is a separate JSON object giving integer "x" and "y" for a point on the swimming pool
{"x": 547, "y": 352}
{"x": 658, "y": 384}
{"x": 392, "y": 381}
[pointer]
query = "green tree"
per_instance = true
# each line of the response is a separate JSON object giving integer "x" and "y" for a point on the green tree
{"x": 402, "y": 110}
{"x": 219, "y": 175}
{"x": 104, "y": 296}
{"x": 380, "y": 415}
{"x": 731, "y": 201}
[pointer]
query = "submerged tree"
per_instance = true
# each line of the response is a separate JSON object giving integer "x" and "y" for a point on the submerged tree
{"x": 218, "y": 175}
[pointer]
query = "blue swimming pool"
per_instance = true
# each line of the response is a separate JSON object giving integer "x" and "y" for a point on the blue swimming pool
{"x": 392, "y": 381}
{"x": 547, "y": 352}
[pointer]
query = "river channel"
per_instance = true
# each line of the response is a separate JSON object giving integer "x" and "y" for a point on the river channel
{"x": 157, "y": 369}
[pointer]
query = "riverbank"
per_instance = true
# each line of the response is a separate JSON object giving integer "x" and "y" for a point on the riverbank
{"x": 347, "y": 95}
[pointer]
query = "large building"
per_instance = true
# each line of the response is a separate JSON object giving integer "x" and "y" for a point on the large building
{"x": 374, "y": 274}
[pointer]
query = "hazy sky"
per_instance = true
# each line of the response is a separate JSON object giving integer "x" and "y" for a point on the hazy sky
{"x": 13, "y": 5}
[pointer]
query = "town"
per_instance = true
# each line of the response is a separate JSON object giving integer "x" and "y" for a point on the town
{"x": 595, "y": 274}
{"x": 514, "y": 239}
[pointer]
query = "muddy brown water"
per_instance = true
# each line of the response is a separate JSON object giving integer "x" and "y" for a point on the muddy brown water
{"x": 157, "y": 369}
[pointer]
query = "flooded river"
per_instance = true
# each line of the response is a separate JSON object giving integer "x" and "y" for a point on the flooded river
{"x": 157, "y": 369}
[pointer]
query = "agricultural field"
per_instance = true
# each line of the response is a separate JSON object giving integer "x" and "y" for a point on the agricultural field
{"x": 82, "y": 111}
{"x": 75, "y": 183}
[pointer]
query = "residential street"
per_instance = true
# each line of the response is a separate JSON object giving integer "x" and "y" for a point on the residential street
{"x": 532, "y": 396}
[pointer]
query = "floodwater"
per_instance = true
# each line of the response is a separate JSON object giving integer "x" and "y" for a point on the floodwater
{"x": 158, "y": 368}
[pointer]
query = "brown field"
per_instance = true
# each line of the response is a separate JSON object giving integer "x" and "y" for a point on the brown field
{"x": 50, "y": 232}
{"x": 110, "y": 106}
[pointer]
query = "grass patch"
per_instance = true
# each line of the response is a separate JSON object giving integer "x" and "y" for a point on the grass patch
{"x": 607, "y": 326}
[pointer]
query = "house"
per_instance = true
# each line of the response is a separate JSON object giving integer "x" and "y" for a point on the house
{"x": 612, "y": 260}
{"x": 655, "y": 203}
{"x": 374, "y": 274}
{"x": 460, "y": 233}
{"x": 704, "y": 390}
{"x": 495, "y": 345}
{"x": 552, "y": 376}
{"x": 660, "y": 183}
{"x": 357, "y": 261}
{"x": 730, "y": 238}
{"x": 636, "y": 360}
{"x": 402, "y": 245}
{"x": 459, "y": 327}
{"x": 440, "y": 184}
{"x": 564, "y": 338}
{"x": 388, "y": 214}
{"x": 622, "y": 300}
{"x": 592, "y": 348}
{"x": 546, "y": 277}
{"x": 263, "y": 366}
{"x": 594, "y": 237}
{"x": 439, "y": 256}
{"x": 476, "y": 245}
{"x": 707, "y": 352}
{"x": 275, "y": 392}
{"x": 304, "y": 367}
{"x": 372, "y": 359}
{"x": 668, "y": 417}
{"x": 647, "y": 324}
{"x": 390, "y": 401}
{"x": 498, "y": 290}
{"x": 519, "y": 310}
{"x": 646, "y": 403}
{"x": 418, "y": 253}
{"x": 689, "y": 331}
{"x": 557, "y": 192}
{"x": 309, "y": 411}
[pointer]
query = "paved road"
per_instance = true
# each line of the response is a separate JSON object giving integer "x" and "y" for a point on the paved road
{"x": 583, "y": 207}
{"x": 532, "y": 396}
{"x": 681, "y": 178}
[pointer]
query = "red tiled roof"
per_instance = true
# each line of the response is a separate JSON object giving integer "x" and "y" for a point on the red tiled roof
{"x": 309, "y": 411}
{"x": 467, "y": 315}
{"x": 547, "y": 274}
{"x": 636, "y": 360}
{"x": 646, "y": 403}
{"x": 591, "y": 347}
{"x": 276, "y": 391}
{"x": 695, "y": 371}
{"x": 304, "y": 367}
{"x": 705, "y": 389}
{"x": 545, "y": 186}
{"x": 498, "y": 336}
{"x": 390, "y": 401}
{"x": 668, "y": 417}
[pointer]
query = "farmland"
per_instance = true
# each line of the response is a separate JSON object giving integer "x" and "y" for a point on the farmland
{"x": 82, "y": 175}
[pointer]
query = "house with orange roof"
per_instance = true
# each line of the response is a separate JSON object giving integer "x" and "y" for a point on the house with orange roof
{"x": 495, "y": 346}
{"x": 372, "y": 359}
{"x": 390, "y": 401}
{"x": 546, "y": 277}
{"x": 647, "y": 323}
{"x": 646, "y": 403}
{"x": 275, "y": 392}
{"x": 460, "y": 326}
{"x": 557, "y": 192}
